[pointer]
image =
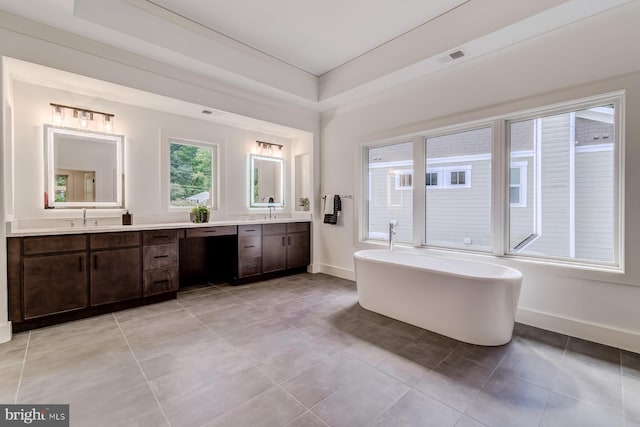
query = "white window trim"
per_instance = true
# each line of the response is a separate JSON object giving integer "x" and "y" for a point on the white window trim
{"x": 215, "y": 166}
{"x": 522, "y": 166}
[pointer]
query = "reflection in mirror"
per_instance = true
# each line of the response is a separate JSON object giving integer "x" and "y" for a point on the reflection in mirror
{"x": 267, "y": 181}
{"x": 83, "y": 169}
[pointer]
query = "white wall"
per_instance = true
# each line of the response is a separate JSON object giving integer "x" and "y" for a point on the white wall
{"x": 146, "y": 134}
{"x": 578, "y": 61}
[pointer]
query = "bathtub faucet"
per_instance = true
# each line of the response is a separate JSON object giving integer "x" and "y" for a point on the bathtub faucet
{"x": 392, "y": 232}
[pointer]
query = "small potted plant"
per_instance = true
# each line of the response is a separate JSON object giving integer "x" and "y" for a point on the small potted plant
{"x": 304, "y": 203}
{"x": 200, "y": 214}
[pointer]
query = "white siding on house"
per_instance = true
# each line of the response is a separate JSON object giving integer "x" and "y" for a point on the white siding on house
{"x": 460, "y": 216}
{"x": 594, "y": 205}
{"x": 521, "y": 218}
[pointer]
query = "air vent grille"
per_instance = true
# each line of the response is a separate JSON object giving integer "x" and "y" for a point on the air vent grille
{"x": 456, "y": 55}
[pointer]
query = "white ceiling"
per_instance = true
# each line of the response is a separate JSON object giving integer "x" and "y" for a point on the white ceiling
{"x": 315, "y": 36}
{"x": 277, "y": 48}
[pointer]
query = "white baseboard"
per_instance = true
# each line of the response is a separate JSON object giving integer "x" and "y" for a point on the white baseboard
{"x": 5, "y": 332}
{"x": 627, "y": 340}
{"x": 340, "y": 272}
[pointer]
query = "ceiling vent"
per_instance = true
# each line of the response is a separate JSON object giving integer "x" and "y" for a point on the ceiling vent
{"x": 207, "y": 111}
{"x": 456, "y": 55}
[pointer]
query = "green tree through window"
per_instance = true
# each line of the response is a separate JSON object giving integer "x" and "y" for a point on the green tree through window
{"x": 191, "y": 174}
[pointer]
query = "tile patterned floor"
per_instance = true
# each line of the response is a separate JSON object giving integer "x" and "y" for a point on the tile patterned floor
{"x": 300, "y": 351}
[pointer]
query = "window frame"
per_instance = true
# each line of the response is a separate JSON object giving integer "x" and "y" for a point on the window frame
{"x": 447, "y": 171}
{"x": 215, "y": 172}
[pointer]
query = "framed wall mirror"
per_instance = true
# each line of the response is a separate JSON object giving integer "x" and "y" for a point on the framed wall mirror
{"x": 266, "y": 181}
{"x": 83, "y": 169}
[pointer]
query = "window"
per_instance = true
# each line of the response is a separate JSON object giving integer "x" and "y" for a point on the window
{"x": 518, "y": 185}
{"x": 458, "y": 215}
{"x": 404, "y": 180}
{"x": 432, "y": 179}
{"x": 390, "y": 175}
{"x": 554, "y": 195}
{"x": 573, "y": 214}
{"x": 192, "y": 168}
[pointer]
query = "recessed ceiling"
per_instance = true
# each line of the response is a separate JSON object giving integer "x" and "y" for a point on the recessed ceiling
{"x": 315, "y": 36}
{"x": 349, "y": 49}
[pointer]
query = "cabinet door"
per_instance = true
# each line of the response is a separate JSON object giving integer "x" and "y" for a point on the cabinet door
{"x": 274, "y": 253}
{"x": 115, "y": 275}
{"x": 54, "y": 284}
{"x": 297, "y": 250}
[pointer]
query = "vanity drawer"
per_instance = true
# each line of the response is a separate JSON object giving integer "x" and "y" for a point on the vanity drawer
{"x": 160, "y": 281}
{"x": 53, "y": 244}
{"x": 114, "y": 240}
{"x": 249, "y": 266}
{"x": 249, "y": 230}
{"x": 160, "y": 256}
{"x": 273, "y": 229}
{"x": 159, "y": 237}
{"x": 297, "y": 227}
{"x": 222, "y": 230}
{"x": 249, "y": 246}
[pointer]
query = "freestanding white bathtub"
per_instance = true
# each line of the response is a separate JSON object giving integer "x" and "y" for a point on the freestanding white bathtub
{"x": 469, "y": 301}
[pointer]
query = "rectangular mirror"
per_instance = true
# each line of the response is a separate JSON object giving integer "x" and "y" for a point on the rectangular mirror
{"x": 266, "y": 181}
{"x": 83, "y": 169}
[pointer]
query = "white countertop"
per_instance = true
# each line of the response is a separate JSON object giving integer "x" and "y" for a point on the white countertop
{"x": 15, "y": 231}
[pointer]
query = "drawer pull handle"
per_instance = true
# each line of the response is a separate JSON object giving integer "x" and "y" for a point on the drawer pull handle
{"x": 250, "y": 246}
{"x": 79, "y": 263}
{"x": 164, "y": 236}
{"x": 251, "y": 266}
{"x": 289, "y": 239}
{"x": 210, "y": 231}
{"x": 250, "y": 230}
{"x": 161, "y": 256}
{"x": 95, "y": 262}
{"x": 282, "y": 240}
{"x": 157, "y": 282}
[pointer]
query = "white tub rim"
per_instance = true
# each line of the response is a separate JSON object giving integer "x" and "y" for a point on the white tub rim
{"x": 512, "y": 273}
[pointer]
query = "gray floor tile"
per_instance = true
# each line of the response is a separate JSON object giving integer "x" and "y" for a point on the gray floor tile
{"x": 631, "y": 386}
{"x": 12, "y": 352}
{"x": 294, "y": 361}
{"x": 469, "y": 422}
{"x": 204, "y": 404}
{"x": 415, "y": 409}
{"x": 487, "y": 356}
{"x": 326, "y": 378}
{"x": 595, "y": 354}
{"x": 456, "y": 384}
{"x": 405, "y": 330}
{"x": 274, "y": 407}
{"x": 587, "y": 382}
{"x": 506, "y": 401}
{"x": 564, "y": 411}
{"x": 361, "y": 402}
{"x": 9, "y": 379}
{"x": 148, "y": 312}
{"x": 308, "y": 419}
{"x": 403, "y": 369}
{"x": 630, "y": 364}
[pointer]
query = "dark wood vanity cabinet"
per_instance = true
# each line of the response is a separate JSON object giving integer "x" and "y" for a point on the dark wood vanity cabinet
{"x": 285, "y": 246}
{"x": 160, "y": 261}
{"x": 249, "y": 250}
{"x": 115, "y": 273}
{"x": 47, "y": 275}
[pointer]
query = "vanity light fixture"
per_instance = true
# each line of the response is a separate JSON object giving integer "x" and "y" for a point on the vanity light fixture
{"x": 83, "y": 116}
{"x": 269, "y": 149}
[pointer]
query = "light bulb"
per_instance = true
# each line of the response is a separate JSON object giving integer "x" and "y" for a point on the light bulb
{"x": 58, "y": 115}
{"x": 108, "y": 127}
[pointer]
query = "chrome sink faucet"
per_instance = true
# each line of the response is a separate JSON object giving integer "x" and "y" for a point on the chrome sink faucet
{"x": 392, "y": 232}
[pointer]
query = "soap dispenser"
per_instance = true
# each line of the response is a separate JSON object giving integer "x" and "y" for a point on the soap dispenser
{"x": 127, "y": 218}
